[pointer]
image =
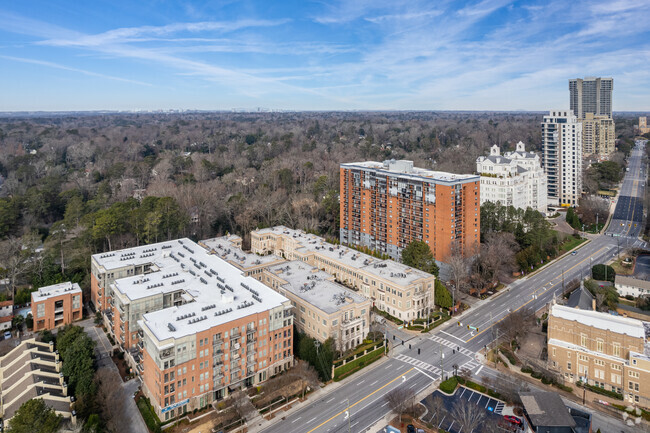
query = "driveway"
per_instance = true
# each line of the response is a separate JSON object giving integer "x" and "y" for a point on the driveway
{"x": 102, "y": 346}
{"x": 132, "y": 417}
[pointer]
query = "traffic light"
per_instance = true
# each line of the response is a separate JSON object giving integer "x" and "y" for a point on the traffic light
{"x": 468, "y": 327}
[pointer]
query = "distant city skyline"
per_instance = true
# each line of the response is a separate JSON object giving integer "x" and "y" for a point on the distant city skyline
{"x": 489, "y": 55}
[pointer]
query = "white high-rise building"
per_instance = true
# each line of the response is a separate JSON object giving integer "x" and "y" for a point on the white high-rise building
{"x": 514, "y": 179}
{"x": 562, "y": 157}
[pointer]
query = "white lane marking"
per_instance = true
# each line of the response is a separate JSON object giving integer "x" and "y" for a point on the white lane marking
{"x": 412, "y": 385}
{"x": 384, "y": 404}
{"x": 296, "y": 419}
{"x": 424, "y": 373}
{"x": 354, "y": 424}
{"x": 361, "y": 382}
{"x": 479, "y": 370}
{"x": 387, "y": 367}
{"x": 331, "y": 399}
{"x": 313, "y": 419}
{"x": 453, "y": 336}
{"x": 374, "y": 382}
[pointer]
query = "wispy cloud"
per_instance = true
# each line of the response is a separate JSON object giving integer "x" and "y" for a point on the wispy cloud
{"x": 146, "y": 33}
{"x": 372, "y": 54}
{"x": 71, "y": 69}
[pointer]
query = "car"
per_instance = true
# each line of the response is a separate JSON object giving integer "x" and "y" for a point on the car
{"x": 573, "y": 253}
{"x": 7, "y": 335}
{"x": 512, "y": 419}
{"x": 410, "y": 428}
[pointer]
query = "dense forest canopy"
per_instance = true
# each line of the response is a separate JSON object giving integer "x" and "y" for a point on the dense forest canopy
{"x": 80, "y": 184}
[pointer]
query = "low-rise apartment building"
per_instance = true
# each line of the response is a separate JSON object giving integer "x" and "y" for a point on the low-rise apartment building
{"x": 607, "y": 351}
{"x": 33, "y": 370}
{"x": 229, "y": 248}
{"x": 323, "y": 308}
{"x": 630, "y": 286}
{"x": 56, "y": 305}
{"x": 6, "y": 314}
{"x": 514, "y": 179}
{"x": 401, "y": 291}
{"x": 194, "y": 325}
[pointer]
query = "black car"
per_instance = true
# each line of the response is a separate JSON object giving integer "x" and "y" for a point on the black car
{"x": 410, "y": 428}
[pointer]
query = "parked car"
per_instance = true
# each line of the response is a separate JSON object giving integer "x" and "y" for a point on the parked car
{"x": 573, "y": 253}
{"x": 410, "y": 428}
{"x": 7, "y": 335}
{"x": 512, "y": 419}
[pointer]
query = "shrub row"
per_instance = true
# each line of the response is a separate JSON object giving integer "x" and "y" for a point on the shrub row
{"x": 357, "y": 364}
{"x": 149, "y": 416}
{"x": 605, "y": 392}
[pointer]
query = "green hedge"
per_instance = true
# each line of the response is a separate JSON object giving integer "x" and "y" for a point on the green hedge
{"x": 438, "y": 321}
{"x": 149, "y": 416}
{"x": 605, "y": 392}
{"x": 357, "y": 364}
{"x": 563, "y": 387}
{"x": 449, "y": 385}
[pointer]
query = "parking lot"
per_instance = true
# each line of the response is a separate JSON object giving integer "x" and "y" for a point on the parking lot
{"x": 445, "y": 420}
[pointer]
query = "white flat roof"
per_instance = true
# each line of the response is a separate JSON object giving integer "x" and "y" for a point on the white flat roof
{"x": 315, "y": 286}
{"x": 54, "y": 290}
{"x": 389, "y": 270}
{"x": 414, "y": 172}
{"x": 223, "y": 247}
{"x": 219, "y": 291}
{"x": 617, "y": 324}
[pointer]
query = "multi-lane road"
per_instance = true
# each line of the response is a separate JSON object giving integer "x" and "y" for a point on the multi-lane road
{"x": 628, "y": 215}
{"x": 418, "y": 363}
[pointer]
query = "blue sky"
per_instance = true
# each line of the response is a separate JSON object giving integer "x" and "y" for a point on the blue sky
{"x": 319, "y": 55}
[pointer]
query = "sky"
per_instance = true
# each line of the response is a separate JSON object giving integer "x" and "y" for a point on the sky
{"x": 69, "y": 55}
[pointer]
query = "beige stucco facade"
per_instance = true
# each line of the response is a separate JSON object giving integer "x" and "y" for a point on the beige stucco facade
{"x": 402, "y": 292}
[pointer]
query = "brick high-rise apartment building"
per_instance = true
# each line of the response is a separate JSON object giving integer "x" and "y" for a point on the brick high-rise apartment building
{"x": 385, "y": 206}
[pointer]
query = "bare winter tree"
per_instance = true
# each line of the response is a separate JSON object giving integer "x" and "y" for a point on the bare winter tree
{"x": 592, "y": 206}
{"x": 436, "y": 407}
{"x": 401, "y": 400}
{"x": 516, "y": 324}
{"x": 242, "y": 405}
{"x": 306, "y": 374}
{"x": 111, "y": 398}
{"x": 468, "y": 415}
{"x": 458, "y": 266}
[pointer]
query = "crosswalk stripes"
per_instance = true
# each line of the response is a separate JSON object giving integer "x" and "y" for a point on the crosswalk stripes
{"x": 451, "y": 345}
{"x": 499, "y": 408}
{"x": 419, "y": 364}
{"x": 470, "y": 365}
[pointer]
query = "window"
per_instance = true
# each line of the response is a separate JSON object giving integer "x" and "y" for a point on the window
{"x": 616, "y": 350}
{"x": 583, "y": 340}
{"x": 75, "y": 301}
{"x": 599, "y": 346}
{"x": 40, "y": 310}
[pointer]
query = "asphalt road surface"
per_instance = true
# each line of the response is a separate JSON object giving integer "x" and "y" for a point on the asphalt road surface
{"x": 628, "y": 214}
{"x": 453, "y": 347}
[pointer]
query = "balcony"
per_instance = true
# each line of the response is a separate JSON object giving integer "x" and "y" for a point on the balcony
{"x": 235, "y": 335}
{"x": 58, "y": 310}
{"x": 140, "y": 345}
